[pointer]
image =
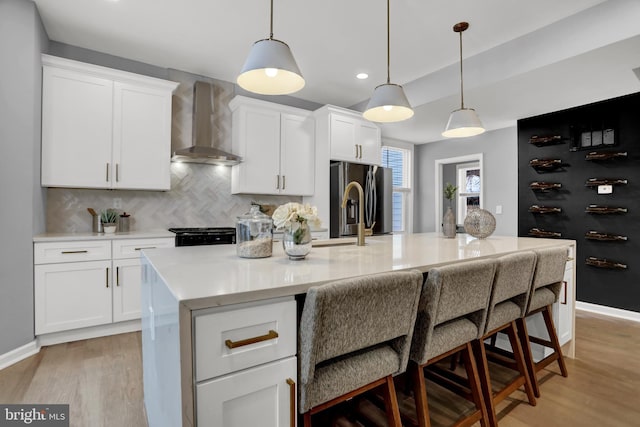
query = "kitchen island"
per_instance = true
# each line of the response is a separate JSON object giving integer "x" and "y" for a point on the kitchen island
{"x": 199, "y": 303}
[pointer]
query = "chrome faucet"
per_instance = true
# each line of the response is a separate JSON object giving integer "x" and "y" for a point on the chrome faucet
{"x": 360, "y": 208}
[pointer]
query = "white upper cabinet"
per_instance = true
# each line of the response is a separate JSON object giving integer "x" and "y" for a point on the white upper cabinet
{"x": 104, "y": 128}
{"x": 277, "y": 145}
{"x": 352, "y": 138}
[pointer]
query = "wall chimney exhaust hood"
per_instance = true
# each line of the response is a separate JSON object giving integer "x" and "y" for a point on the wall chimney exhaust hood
{"x": 202, "y": 150}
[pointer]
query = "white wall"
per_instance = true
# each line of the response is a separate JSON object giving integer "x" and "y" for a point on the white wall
{"x": 500, "y": 176}
{"x": 22, "y": 39}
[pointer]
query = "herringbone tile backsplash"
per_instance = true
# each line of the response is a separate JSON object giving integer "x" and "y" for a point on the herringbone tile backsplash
{"x": 200, "y": 195}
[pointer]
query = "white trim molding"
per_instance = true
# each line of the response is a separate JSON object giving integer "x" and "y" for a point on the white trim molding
{"x": 608, "y": 311}
{"x": 18, "y": 354}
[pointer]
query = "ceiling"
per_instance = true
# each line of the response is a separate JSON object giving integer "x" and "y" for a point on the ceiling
{"x": 522, "y": 58}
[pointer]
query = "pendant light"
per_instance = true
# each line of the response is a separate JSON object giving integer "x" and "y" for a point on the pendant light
{"x": 270, "y": 68}
{"x": 464, "y": 121}
{"x": 388, "y": 102}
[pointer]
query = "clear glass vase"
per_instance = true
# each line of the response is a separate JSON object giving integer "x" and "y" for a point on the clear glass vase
{"x": 296, "y": 240}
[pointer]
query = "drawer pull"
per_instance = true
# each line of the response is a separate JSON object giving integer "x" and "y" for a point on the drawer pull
{"x": 235, "y": 344}
{"x": 146, "y": 247}
{"x": 106, "y": 281}
{"x": 74, "y": 252}
{"x": 292, "y": 402}
{"x": 117, "y": 276}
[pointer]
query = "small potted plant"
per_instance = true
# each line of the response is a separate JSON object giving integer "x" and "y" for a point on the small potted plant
{"x": 109, "y": 219}
{"x": 449, "y": 219}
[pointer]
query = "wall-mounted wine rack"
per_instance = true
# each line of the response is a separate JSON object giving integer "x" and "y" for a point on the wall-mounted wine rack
{"x": 586, "y": 162}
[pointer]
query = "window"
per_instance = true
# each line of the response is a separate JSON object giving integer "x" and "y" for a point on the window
{"x": 468, "y": 188}
{"x": 399, "y": 160}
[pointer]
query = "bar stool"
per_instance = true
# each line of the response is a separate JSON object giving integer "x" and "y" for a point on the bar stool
{"x": 508, "y": 302}
{"x": 452, "y": 314}
{"x": 354, "y": 335}
{"x": 547, "y": 282}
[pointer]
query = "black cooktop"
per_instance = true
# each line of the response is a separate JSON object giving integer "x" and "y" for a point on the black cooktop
{"x": 196, "y": 236}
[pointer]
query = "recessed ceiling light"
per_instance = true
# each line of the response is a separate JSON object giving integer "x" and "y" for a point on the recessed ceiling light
{"x": 362, "y": 76}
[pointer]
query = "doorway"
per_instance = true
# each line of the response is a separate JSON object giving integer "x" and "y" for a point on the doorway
{"x": 468, "y": 172}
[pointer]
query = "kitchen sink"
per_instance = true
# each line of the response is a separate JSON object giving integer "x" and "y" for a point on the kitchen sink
{"x": 345, "y": 241}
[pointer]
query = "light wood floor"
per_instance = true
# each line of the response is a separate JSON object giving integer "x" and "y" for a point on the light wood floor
{"x": 101, "y": 379}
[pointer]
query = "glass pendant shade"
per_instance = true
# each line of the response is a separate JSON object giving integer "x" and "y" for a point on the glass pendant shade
{"x": 270, "y": 69}
{"x": 462, "y": 123}
{"x": 388, "y": 104}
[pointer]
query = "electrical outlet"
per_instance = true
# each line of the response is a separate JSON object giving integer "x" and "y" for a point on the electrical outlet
{"x": 498, "y": 209}
{"x": 117, "y": 203}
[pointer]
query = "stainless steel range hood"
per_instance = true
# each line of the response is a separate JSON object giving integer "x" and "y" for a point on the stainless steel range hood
{"x": 203, "y": 150}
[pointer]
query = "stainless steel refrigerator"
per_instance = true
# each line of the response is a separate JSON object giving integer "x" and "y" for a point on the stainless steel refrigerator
{"x": 377, "y": 185}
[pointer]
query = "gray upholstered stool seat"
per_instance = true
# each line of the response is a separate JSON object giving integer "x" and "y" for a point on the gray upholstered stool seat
{"x": 508, "y": 302}
{"x": 452, "y": 314}
{"x": 354, "y": 336}
{"x": 547, "y": 283}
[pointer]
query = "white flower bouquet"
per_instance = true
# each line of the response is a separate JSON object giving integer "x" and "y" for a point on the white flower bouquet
{"x": 289, "y": 213}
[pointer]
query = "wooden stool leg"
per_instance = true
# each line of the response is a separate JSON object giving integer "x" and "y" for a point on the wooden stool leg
{"x": 391, "y": 403}
{"x": 523, "y": 334}
{"x": 522, "y": 368}
{"x": 474, "y": 383}
{"x": 553, "y": 336}
{"x": 485, "y": 381}
{"x": 420, "y": 394}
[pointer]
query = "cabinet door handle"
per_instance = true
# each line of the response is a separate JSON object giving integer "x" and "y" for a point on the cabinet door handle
{"x": 356, "y": 145}
{"x": 277, "y": 182}
{"x": 117, "y": 276}
{"x": 107, "y": 172}
{"x": 74, "y": 252}
{"x": 360, "y": 150}
{"x": 107, "y": 277}
{"x": 292, "y": 402}
{"x": 283, "y": 181}
{"x": 235, "y": 344}
{"x": 117, "y": 174}
{"x": 564, "y": 285}
{"x": 146, "y": 247}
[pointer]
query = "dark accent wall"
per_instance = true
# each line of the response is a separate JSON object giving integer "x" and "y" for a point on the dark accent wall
{"x": 618, "y": 288}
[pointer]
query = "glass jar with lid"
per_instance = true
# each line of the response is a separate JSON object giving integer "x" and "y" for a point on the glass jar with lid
{"x": 254, "y": 234}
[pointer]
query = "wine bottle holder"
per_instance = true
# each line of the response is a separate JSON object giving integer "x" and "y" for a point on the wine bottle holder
{"x": 605, "y": 263}
{"x": 605, "y": 237}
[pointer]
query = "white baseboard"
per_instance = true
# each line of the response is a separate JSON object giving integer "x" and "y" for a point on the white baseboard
{"x": 86, "y": 333}
{"x": 608, "y": 311}
{"x": 18, "y": 354}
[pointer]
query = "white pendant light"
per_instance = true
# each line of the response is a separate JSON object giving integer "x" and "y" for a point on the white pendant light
{"x": 388, "y": 102}
{"x": 270, "y": 68}
{"x": 464, "y": 121}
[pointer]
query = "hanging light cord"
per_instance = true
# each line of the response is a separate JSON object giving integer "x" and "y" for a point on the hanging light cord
{"x": 388, "y": 45}
{"x": 461, "y": 80}
{"x": 271, "y": 23}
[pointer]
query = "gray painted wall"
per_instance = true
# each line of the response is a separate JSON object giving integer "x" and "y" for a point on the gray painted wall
{"x": 500, "y": 176}
{"x": 22, "y": 39}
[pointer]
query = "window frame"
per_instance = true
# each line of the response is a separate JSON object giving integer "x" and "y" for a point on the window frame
{"x": 406, "y": 191}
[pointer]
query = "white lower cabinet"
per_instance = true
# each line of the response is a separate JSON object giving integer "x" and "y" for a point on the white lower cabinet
{"x": 245, "y": 364}
{"x": 72, "y": 295}
{"x": 259, "y": 396}
{"x": 80, "y": 284}
{"x": 126, "y": 289}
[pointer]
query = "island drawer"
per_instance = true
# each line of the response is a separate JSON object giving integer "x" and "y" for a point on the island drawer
{"x": 86, "y": 250}
{"x": 231, "y": 338}
{"x": 130, "y": 248}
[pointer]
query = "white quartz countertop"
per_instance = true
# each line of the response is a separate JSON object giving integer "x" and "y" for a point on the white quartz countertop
{"x": 209, "y": 276}
{"x": 65, "y": 237}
